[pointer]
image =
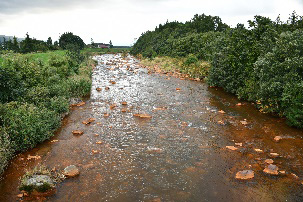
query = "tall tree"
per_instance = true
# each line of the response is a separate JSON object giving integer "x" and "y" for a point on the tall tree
{"x": 15, "y": 46}
{"x": 27, "y": 44}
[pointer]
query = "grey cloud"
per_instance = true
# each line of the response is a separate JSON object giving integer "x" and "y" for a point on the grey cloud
{"x": 17, "y": 6}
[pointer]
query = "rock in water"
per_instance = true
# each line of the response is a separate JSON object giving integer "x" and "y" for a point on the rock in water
{"x": 232, "y": 148}
{"x": 277, "y": 138}
{"x": 274, "y": 155}
{"x": 269, "y": 161}
{"x": 71, "y": 171}
{"x": 40, "y": 183}
{"x": 271, "y": 169}
{"x": 245, "y": 175}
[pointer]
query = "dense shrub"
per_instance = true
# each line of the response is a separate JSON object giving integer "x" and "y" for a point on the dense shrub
{"x": 33, "y": 96}
{"x": 6, "y": 151}
{"x": 280, "y": 78}
{"x": 27, "y": 124}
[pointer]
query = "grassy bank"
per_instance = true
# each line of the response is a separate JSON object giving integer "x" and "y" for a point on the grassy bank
{"x": 191, "y": 65}
{"x": 35, "y": 90}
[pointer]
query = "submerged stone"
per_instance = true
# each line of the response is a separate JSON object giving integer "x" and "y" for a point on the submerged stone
{"x": 271, "y": 169}
{"x": 245, "y": 175}
{"x": 231, "y": 148}
{"x": 269, "y": 161}
{"x": 71, "y": 171}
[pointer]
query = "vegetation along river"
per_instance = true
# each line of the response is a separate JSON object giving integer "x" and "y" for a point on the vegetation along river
{"x": 160, "y": 138}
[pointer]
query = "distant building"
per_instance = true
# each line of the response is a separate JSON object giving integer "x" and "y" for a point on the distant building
{"x": 102, "y": 45}
{"x": 7, "y": 38}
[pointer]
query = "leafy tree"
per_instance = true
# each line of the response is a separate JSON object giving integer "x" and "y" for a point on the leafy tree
{"x": 49, "y": 43}
{"x": 69, "y": 38}
{"x": 27, "y": 45}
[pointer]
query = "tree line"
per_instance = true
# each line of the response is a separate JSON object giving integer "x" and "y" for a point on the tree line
{"x": 28, "y": 45}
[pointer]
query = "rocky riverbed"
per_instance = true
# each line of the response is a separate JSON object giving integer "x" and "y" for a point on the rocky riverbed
{"x": 147, "y": 135}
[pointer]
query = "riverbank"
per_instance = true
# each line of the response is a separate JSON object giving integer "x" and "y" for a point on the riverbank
{"x": 36, "y": 90}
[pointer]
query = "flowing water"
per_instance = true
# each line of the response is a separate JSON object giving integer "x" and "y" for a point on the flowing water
{"x": 179, "y": 154}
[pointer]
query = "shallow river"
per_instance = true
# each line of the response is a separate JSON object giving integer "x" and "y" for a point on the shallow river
{"x": 179, "y": 154}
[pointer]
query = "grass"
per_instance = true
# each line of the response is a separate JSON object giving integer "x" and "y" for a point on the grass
{"x": 44, "y": 57}
{"x": 198, "y": 69}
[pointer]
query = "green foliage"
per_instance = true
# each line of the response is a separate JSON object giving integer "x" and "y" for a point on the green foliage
{"x": 67, "y": 39}
{"x": 35, "y": 90}
{"x": 191, "y": 59}
{"x": 280, "y": 77}
{"x": 75, "y": 57}
{"x": 262, "y": 64}
{"x": 6, "y": 151}
{"x": 28, "y": 125}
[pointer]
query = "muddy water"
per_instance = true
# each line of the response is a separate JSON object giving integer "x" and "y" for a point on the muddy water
{"x": 177, "y": 155}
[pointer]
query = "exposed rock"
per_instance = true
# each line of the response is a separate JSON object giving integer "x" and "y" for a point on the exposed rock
{"x": 239, "y": 144}
{"x": 258, "y": 150}
{"x": 274, "y": 155}
{"x": 269, "y": 161}
{"x": 295, "y": 176}
{"x": 271, "y": 169}
{"x": 142, "y": 115}
{"x": 277, "y": 138}
{"x": 71, "y": 171}
{"x": 231, "y": 148}
{"x": 40, "y": 183}
{"x": 77, "y": 132}
{"x": 245, "y": 175}
{"x": 244, "y": 122}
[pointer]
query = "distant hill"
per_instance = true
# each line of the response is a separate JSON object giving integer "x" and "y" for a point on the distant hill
{"x": 6, "y": 38}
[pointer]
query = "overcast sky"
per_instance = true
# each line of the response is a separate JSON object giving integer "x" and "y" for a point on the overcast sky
{"x": 124, "y": 20}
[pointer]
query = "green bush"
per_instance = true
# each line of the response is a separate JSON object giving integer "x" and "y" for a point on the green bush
{"x": 79, "y": 86}
{"x": 280, "y": 78}
{"x": 17, "y": 74}
{"x": 34, "y": 93}
{"x": 28, "y": 125}
{"x": 191, "y": 59}
{"x": 6, "y": 151}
